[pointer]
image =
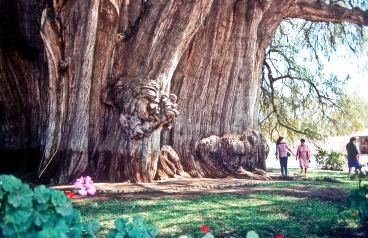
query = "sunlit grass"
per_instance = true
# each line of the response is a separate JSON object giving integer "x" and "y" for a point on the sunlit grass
{"x": 268, "y": 213}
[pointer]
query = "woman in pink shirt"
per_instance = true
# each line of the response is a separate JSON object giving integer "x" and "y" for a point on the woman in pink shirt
{"x": 303, "y": 154}
{"x": 281, "y": 152}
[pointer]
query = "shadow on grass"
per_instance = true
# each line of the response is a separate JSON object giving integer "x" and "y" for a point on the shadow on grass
{"x": 267, "y": 213}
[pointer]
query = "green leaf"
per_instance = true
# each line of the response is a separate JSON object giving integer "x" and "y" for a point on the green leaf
{"x": 40, "y": 207}
{"x": 76, "y": 231}
{"x": 22, "y": 197}
{"x": 61, "y": 226}
{"x": 48, "y": 232}
{"x": 62, "y": 203}
{"x": 28, "y": 234}
{"x": 58, "y": 198}
{"x": 40, "y": 217}
{"x": 7, "y": 227}
{"x": 208, "y": 235}
{"x": 120, "y": 234}
{"x": 75, "y": 217}
{"x": 88, "y": 228}
{"x": 41, "y": 194}
{"x": 17, "y": 215}
{"x": 252, "y": 234}
{"x": 25, "y": 226}
{"x": 112, "y": 233}
{"x": 65, "y": 209}
{"x": 1, "y": 195}
{"x": 154, "y": 231}
{"x": 120, "y": 223}
{"x": 94, "y": 225}
{"x": 10, "y": 183}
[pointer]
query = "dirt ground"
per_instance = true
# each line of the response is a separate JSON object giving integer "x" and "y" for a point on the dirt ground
{"x": 198, "y": 186}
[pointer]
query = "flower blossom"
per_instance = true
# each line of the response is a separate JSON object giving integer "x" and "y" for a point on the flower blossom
{"x": 205, "y": 228}
{"x": 85, "y": 185}
{"x": 69, "y": 194}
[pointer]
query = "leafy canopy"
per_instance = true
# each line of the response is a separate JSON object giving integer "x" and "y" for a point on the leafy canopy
{"x": 297, "y": 99}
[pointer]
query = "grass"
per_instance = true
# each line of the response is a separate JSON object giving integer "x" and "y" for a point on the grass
{"x": 232, "y": 215}
{"x": 346, "y": 186}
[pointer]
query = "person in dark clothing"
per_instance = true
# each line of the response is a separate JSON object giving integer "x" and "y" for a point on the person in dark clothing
{"x": 353, "y": 154}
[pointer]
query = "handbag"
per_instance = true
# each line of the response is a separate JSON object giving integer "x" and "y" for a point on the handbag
{"x": 288, "y": 154}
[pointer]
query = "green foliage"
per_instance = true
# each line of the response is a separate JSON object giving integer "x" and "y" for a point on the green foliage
{"x": 297, "y": 98}
{"x": 138, "y": 228}
{"x": 358, "y": 198}
{"x": 43, "y": 212}
{"x": 330, "y": 160}
{"x": 252, "y": 234}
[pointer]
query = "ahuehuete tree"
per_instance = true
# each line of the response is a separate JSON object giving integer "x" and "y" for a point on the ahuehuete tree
{"x": 115, "y": 88}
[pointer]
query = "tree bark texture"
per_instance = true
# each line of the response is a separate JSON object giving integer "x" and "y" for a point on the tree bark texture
{"x": 95, "y": 86}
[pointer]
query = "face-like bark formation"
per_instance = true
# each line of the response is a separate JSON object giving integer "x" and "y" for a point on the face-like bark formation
{"x": 142, "y": 106}
{"x": 57, "y": 61}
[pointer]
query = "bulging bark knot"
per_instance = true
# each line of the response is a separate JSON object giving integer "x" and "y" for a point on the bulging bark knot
{"x": 143, "y": 107}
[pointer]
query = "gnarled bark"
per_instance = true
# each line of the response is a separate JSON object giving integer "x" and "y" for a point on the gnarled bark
{"x": 224, "y": 156}
{"x": 169, "y": 165}
{"x": 58, "y": 60}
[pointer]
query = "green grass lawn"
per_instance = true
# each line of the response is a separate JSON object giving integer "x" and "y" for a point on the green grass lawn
{"x": 232, "y": 215}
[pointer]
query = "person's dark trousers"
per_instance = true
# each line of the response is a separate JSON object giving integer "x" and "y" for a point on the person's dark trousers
{"x": 283, "y": 164}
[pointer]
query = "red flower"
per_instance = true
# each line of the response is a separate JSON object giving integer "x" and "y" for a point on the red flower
{"x": 69, "y": 194}
{"x": 205, "y": 228}
{"x": 279, "y": 236}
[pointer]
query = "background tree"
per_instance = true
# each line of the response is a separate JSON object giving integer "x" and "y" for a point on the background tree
{"x": 297, "y": 98}
{"x": 84, "y": 84}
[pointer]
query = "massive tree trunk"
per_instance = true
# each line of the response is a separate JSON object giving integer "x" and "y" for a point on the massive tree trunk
{"x": 85, "y": 85}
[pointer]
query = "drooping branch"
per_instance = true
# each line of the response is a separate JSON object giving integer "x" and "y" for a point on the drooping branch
{"x": 324, "y": 102}
{"x": 316, "y": 11}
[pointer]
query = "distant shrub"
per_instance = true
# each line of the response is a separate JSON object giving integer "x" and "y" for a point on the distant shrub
{"x": 332, "y": 160}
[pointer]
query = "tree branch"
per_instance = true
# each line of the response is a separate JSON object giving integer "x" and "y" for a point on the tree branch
{"x": 316, "y": 11}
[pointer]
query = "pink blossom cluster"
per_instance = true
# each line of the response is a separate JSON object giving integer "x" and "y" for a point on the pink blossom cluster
{"x": 85, "y": 185}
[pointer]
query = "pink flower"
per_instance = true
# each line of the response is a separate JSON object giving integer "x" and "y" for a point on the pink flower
{"x": 88, "y": 180}
{"x": 85, "y": 185}
{"x": 79, "y": 182}
{"x": 205, "y": 228}
{"x": 91, "y": 191}
{"x": 279, "y": 236}
{"x": 82, "y": 191}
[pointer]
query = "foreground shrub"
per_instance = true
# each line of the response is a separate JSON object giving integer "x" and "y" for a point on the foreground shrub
{"x": 332, "y": 160}
{"x": 42, "y": 212}
{"x": 138, "y": 228}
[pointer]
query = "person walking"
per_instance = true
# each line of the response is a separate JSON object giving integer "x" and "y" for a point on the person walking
{"x": 353, "y": 154}
{"x": 282, "y": 153}
{"x": 303, "y": 154}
